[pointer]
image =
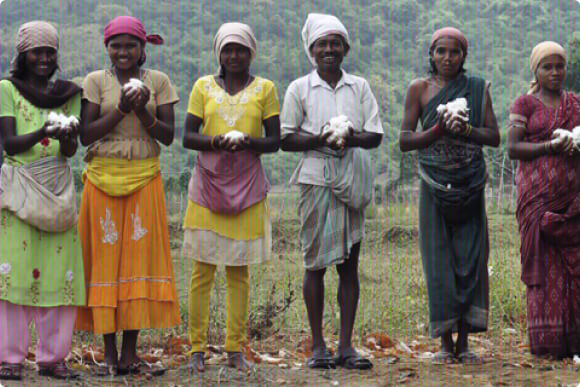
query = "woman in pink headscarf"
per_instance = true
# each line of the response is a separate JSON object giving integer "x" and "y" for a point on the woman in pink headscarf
{"x": 548, "y": 208}
{"x": 127, "y": 111}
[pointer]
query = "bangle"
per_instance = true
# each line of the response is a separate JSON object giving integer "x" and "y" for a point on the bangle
{"x": 155, "y": 121}
{"x": 121, "y": 111}
{"x": 549, "y": 148}
{"x": 468, "y": 130}
{"x": 211, "y": 143}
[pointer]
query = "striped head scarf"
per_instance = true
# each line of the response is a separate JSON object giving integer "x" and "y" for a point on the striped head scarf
{"x": 36, "y": 34}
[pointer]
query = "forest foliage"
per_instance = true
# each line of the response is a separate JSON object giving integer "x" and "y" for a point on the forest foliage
{"x": 389, "y": 48}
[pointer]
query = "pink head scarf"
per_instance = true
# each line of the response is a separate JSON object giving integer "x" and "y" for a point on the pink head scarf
{"x": 449, "y": 32}
{"x": 131, "y": 26}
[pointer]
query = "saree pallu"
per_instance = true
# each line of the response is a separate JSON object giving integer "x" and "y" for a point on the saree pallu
{"x": 453, "y": 232}
{"x": 548, "y": 213}
{"x": 128, "y": 266}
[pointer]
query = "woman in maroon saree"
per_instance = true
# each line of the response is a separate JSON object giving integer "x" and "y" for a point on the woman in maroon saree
{"x": 548, "y": 208}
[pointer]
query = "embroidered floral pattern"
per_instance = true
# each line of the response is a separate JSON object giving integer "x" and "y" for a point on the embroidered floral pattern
{"x": 232, "y": 107}
{"x": 69, "y": 293}
{"x": 5, "y": 270}
{"x": 110, "y": 231}
{"x": 35, "y": 287}
{"x": 138, "y": 231}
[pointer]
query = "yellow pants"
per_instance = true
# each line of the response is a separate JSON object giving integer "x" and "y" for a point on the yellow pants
{"x": 202, "y": 279}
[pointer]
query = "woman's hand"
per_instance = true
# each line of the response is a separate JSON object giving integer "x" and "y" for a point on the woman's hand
{"x": 141, "y": 98}
{"x": 126, "y": 100}
{"x": 563, "y": 145}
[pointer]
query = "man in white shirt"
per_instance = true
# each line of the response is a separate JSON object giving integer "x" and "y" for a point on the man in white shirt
{"x": 335, "y": 178}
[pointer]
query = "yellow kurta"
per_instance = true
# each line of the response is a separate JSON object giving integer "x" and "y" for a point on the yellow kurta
{"x": 242, "y": 238}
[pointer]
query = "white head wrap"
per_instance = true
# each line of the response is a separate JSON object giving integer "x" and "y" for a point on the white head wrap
{"x": 318, "y": 25}
{"x": 234, "y": 33}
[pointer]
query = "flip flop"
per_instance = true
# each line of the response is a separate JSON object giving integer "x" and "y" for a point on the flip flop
{"x": 244, "y": 365}
{"x": 469, "y": 358}
{"x": 444, "y": 357}
{"x": 10, "y": 371}
{"x": 105, "y": 370}
{"x": 142, "y": 368}
{"x": 198, "y": 359}
{"x": 57, "y": 371}
{"x": 353, "y": 361}
{"x": 321, "y": 359}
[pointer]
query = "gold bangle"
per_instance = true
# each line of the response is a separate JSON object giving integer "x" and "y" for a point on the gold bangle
{"x": 120, "y": 111}
{"x": 155, "y": 121}
{"x": 468, "y": 130}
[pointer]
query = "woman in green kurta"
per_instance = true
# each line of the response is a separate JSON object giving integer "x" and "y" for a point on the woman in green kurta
{"x": 41, "y": 272}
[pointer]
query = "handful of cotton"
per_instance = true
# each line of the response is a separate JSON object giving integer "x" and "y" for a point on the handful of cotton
{"x": 456, "y": 108}
{"x": 58, "y": 121}
{"x": 133, "y": 84}
{"x": 235, "y": 137}
{"x": 560, "y": 135}
{"x": 338, "y": 126}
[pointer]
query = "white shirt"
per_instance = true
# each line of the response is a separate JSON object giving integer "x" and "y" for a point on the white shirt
{"x": 310, "y": 102}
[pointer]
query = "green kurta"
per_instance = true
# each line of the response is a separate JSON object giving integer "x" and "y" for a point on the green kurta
{"x": 37, "y": 268}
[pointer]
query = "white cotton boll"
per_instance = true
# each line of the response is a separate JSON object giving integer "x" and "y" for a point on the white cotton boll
{"x": 457, "y": 108}
{"x": 234, "y": 136}
{"x": 58, "y": 121}
{"x": 71, "y": 121}
{"x": 576, "y": 135}
{"x": 560, "y": 135}
{"x": 339, "y": 127}
{"x": 53, "y": 117}
{"x": 133, "y": 84}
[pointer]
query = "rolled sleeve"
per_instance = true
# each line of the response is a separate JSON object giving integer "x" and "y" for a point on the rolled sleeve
{"x": 370, "y": 110}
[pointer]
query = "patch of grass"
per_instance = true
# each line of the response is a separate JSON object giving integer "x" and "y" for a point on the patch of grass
{"x": 393, "y": 296}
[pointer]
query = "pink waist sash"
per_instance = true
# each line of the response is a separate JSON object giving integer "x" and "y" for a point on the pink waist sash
{"x": 228, "y": 183}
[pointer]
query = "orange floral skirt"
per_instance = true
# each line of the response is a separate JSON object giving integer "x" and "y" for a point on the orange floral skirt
{"x": 127, "y": 261}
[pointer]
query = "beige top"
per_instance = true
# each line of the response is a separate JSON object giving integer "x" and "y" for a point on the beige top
{"x": 128, "y": 140}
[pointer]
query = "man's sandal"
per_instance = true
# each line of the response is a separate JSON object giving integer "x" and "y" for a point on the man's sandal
{"x": 10, "y": 371}
{"x": 353, "y": 361}
{"x": 321, "y": 359}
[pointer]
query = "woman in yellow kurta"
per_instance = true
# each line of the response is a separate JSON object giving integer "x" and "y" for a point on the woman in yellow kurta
{"x": 226, "y": 220}
{"x": 122, "y": 222}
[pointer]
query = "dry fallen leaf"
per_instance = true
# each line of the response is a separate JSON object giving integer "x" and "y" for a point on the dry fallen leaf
{"x": 176, "y": 346}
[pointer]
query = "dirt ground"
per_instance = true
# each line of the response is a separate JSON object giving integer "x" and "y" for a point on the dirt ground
{"x": 504, "y": 366}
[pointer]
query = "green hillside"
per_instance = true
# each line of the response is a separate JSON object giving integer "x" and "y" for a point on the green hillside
{"x": 389, "y": 47}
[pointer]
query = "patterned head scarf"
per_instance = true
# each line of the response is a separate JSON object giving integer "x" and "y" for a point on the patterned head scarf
{"x": 234, "y": 33}
{"x": 131, "y": 26}
{"x": 541, "y": 51}
{"x": 449, "y": 32}
{"x": 36, "y": 34}
{"x": 318, "y": 25}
